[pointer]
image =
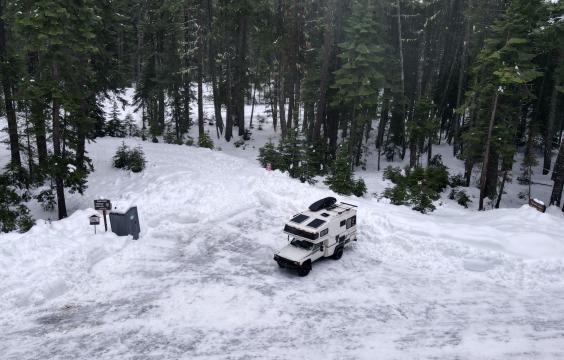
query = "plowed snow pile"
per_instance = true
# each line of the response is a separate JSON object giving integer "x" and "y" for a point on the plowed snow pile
{"x": 201, "y": 281}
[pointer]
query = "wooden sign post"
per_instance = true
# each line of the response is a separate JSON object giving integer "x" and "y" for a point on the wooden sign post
{"x": 94, "y": 220}
{"x": 104, "y": 205}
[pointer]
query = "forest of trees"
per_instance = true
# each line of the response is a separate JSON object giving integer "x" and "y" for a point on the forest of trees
{"x": 486, "y": 76}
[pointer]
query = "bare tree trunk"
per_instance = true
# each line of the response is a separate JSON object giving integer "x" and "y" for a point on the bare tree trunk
{"x": 550, "y": 128}
{"x": 274, "y": 105}
{"x": 229, "y": 113}
{"x": 281, "y": 103}
{"x": 59, "y": 166}
{"x": 211, "y": 64}
{"x": 252, "y": 107}
{"x": 483, "y": 177}
{"x": 461, "y": 76}
{"x": 200, "y": 97}
{"x": 240, "y": 84}
{"x": 556, "y": 195}
{"x": 8, "y": 101}
{"x": 324, "y": 73}
{"x": 384, "y": 114}
{"x": 501, "y": 188}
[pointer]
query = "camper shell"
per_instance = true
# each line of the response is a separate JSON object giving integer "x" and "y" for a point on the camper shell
{"x": 324, "y": 230}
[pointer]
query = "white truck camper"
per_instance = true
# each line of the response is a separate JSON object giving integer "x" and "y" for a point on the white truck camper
{"x": 324, "y": 230}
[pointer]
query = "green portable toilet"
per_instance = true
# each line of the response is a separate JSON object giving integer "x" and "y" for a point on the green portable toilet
{"x": 125, "y": 223}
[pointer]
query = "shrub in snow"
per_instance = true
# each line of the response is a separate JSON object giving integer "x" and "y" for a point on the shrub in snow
{"x": 247, "y": 135}
{"x": 457, "y": 180}
{"x": 239, "y": 143}
{"x": 129, "y": 159}
{"x": 136, "y": 160}
{"x": 120, "y": 158}
{"x": 13, "y": 214}
{"x": 342, "y": 179}
{"x": 47, "y": 199}
{"x": 461, "y": 197}
{"x": 205, "y": 141}
{"x": 269, "y": 155}
{"x": 417, "y": 187}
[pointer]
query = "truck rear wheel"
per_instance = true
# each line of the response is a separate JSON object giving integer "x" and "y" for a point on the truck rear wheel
{"x": 338, "y": 253}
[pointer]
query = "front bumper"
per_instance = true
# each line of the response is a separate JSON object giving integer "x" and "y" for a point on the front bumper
{"x": 283, "y": 262}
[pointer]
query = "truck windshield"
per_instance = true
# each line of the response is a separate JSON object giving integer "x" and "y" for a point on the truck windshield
{"x": 302, "y": 244}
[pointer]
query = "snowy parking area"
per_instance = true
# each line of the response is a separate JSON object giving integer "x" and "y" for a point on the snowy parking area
{"x": 201, "y": 281}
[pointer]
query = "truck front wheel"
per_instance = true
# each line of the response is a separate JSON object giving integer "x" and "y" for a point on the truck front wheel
{"x": 304, "y": 269}
{"x": 338, "y": 253}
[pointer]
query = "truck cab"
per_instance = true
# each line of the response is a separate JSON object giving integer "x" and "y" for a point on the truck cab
{"x": 324, "y": 230}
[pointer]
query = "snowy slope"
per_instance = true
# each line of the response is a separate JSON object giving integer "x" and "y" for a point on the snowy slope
{"x": 540, "y": 189}
{"x": 201, "y": 282}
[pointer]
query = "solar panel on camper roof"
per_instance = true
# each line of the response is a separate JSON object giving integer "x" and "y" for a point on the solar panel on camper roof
{"x": 299, "y": 219}
{"x": 316, "y": 223}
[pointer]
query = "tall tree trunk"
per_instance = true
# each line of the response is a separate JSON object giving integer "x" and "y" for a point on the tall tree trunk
{"x": 200, "y": 96}
{"x": 549, "y": 134}
{"x": 253, "y": 107}
{"x": 401, "y": 106}
{"x": 274, "y": 104}
{"x": 59, "y": 166}
{"x": 384, "y": 114}
{"x": 241, "y": 73}
{"x": 212, "y": 69}
{"x": 483, "y": 177}
{"x": 461, "y": 77}
{"x": 8, "y": 101}
{"x": 501, "y": 189}
{"x": 40, "y": 132}
{"x": 556, "y": 195}
{"x": 186, "y": 91}
{"x": 325, "y": 63}
{"x": 229, "y": 113}
{"x": 29, "y": 149}
{"x": 413, "y": 140}
{"x": 281, "y": 103}
{"x": 468, "y": 167}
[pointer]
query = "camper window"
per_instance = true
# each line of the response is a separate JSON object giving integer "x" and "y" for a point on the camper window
{"x": 351, "y": 222}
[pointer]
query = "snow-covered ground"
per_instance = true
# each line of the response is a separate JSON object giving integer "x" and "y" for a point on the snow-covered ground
{"x": 540, "y": 189}
{"x": 201, "y": 281}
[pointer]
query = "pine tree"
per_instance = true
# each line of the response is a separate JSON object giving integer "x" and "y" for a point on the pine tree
{"x": 504, "y": 68}
{"x": 342, "y": 179}
{"x": 115, "y": 126}
{"x": 360, "y": 76}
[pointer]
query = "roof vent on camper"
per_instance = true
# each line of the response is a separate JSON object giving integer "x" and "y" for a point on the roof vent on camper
{"x": 322, "y": 204}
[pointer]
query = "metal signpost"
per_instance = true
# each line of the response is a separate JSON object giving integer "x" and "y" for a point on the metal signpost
{"x": 104, "y": 205}
{"x": 94, "y": 220}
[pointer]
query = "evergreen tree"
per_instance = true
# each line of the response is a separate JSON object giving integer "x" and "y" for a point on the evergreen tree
{"x": 504, "y": 69}
{"x": 342, "y": 179}
{"x": 360, "y": 76}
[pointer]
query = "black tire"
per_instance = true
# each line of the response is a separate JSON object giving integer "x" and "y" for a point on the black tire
{"x": 303, "y": 271}
{"x": 338, "y": 253}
